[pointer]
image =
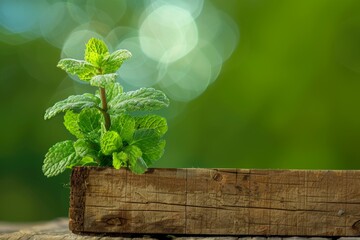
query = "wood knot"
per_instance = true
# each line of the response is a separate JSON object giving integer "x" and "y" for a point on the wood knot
{"x": 217, "y": 177}
{"x": 356, "y": 226}
{"x": 340, "y": 212}
{"x": 116, "y": 221}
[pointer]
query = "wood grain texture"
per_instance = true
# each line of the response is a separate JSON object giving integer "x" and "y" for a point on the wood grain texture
{"x": 216, "y": 201}
{"x": 58, "y": 230}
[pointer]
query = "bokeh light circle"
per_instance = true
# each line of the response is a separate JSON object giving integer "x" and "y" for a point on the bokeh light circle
{"x": 168, "y": 33}
{"x": 188, "y": 77}
{"x": 54, "y": 24}
{"x": 108, "y": 12}
{"x": 139, "y": 70}
{"x": 21, "y": 16}
{"x": 118, "y": 34}
{"x": 227, "y": 36}
{"x": 193, "y": 7}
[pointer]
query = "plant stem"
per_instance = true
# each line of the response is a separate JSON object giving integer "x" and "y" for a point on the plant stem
{"x": 105, "y": 108}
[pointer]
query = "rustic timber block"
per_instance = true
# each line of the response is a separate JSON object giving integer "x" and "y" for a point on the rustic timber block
{"x": 216, "y": 202}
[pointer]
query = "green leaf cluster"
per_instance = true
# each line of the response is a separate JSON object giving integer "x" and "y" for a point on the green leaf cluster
{"x": 106, "y": 133}
{"x": 98, "y": 62}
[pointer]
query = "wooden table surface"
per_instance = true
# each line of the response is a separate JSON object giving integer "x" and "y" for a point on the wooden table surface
{"x": 58, "y": 230}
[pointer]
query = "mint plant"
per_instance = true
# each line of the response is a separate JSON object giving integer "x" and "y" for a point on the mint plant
{"x": 107, "y": 134}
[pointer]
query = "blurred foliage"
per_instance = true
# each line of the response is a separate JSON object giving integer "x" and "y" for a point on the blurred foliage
{"x": 288, "y": 97}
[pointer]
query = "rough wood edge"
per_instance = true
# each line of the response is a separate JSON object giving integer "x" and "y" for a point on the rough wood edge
{"x": 78, "y": 179}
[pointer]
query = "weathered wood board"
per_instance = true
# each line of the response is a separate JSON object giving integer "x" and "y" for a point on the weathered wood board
{"x": 58, "y": 230}
{"x": 216, "y": 202}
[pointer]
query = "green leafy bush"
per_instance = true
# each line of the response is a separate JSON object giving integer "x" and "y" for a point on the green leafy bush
{"x": 106, "y": 134}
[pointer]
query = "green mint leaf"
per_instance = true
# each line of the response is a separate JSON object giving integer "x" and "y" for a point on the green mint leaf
{"x": 103, "y": 128}
{"x": 150, "y": 143}
{"x": 84, "y": 148}
{"x": 114, "y": 61}
{"x": 145, "y": 137}
{"x": 124, "y": 125}
{"x": 58, "y": 158}
{"x": 152, "y": 122}
{"x": 84, "y": 70}
{"x": 136, "y": 163}
{"x": 119, "y": 159}
{"x": 103, "y": 80}
{"x": 113, "y": 90}
{"x": 71, "y": 120}
{"x": 153, "y": 152}
{"x": 76, "y": 103}
{"x": 88, "y": 161}
{"x": 144, "y": 99}
{"x": 85, "y": 161}
{"x": 138, "y": 166}
{"x": 96, "y": 50}
{"x": 110, "y": 142}
{"x": 90, "y": 120}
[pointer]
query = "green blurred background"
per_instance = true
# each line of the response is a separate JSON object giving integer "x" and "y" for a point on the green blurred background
{"x": 286, "y": 97}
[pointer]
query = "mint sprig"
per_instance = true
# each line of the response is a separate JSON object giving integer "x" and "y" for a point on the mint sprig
{"x": 107, "y": 134}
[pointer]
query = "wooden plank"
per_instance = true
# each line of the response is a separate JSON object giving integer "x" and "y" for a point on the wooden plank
{"x": 58, "y": 230}
{"x": 216, "y": 201}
